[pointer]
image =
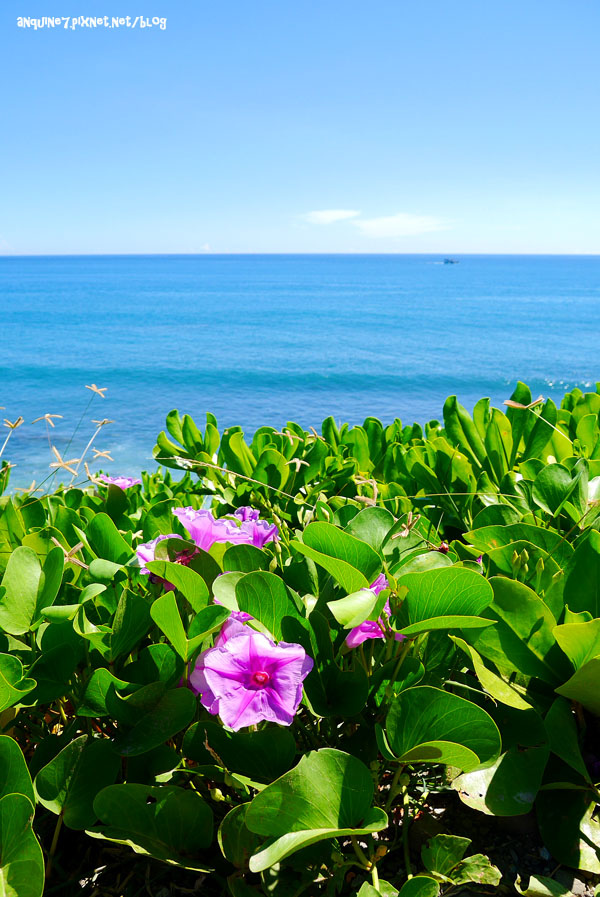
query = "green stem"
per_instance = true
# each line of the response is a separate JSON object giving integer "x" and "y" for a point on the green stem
{"x": 364, "y": 860}
{"x": 54, "y": 844}
{"x": 375, "y": 877}
{"x": 394, "y": 790}
{"x": 405, "y": 825}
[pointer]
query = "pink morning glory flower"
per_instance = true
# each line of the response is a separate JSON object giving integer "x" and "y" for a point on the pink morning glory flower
{"x": 205, "y": 529}
{"x": 246, "y": 513}
{"x": 259, "y": 532}
{"x": 249, "y": 678}
{"x": 233, "y": 625}
{"x": 372, "y": 628}
{"x": 121, "y": 482}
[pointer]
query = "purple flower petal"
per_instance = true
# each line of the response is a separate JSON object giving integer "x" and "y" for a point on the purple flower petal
{"x": 205, "y": 530}
{"x": 249, "y": 678}
{"x": 121, "y": 482}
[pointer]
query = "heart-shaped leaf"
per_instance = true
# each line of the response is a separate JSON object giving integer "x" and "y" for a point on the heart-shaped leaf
{"x": 21, "y": 858}
{"x": 164, "y": 822}
{"x": 426, "y": 724}
{"x": 328, "y": 794}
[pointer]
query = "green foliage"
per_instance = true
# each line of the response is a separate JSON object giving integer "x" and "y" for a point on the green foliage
{"x": 478, "y": 678}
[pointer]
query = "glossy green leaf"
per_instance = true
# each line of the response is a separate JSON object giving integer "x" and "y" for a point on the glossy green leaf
{"x": 563, "y": 736}
{"x": 542, "y": 886}
{"x": 328, "y": 794}
{"x": 507, "y": 787}
{"x": 70, "y": 782}
{"x": 186, "y": 580}
{"x": 265, "y": 597}
{"x": 164, "y": 822}
{"x": 106, "y": 540}
{"x": 263, "y": 755}
{"x": 352, "y": 562}
{"x": 21, "y": 858}
{"x": 236, "y": 841}
{"x": 495, "y": 686}
{"x": 149, "y": 716}
{"x": 523, "y": 638}
{"x": 443, "y": 852}
{"x": 245, "y": 559}
{"x": 583, "y": 686}
{"x": 579, "y": 641}
{"x": 568, "y": 828}
{"x": 14, "y": 775}
{"x": 13, "y": 684}
{"x": 93, "y": 702}
{"x": 426, "y": 724}
{"x": 420, "y": 886}
{"x": 447, "y": 592}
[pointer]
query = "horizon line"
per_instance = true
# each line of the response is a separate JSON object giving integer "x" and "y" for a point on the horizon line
{"x": 281, "y": 253}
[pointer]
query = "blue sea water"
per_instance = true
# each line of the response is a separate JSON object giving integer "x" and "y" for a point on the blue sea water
{"x": 263, "y": 339}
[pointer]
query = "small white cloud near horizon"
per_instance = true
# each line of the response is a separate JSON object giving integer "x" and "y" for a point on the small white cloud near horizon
{"x": 329, "y": 216}
{"x": 402, "y": 224}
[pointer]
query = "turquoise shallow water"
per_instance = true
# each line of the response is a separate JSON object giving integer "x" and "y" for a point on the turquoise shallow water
{"x": 266, "y": 339}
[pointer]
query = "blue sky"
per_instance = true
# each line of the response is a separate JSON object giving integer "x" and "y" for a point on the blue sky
{"x": 307, "y": 126}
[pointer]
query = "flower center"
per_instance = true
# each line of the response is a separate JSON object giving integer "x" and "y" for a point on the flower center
{"x": 185, "y": 557}
{"x": 260, "y": 678}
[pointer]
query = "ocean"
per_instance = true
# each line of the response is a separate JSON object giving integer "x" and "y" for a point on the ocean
{"x": 264, "y": 339}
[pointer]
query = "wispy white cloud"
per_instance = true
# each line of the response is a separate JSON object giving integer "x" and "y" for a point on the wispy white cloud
{"x": 329, "y": 216}
{"x": 400, "y": 225}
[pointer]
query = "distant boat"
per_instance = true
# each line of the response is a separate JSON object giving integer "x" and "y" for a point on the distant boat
{"x": 451, "y": 261}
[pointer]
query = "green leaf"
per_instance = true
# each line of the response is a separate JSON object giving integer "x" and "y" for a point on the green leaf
{"x": 165, "y": 614}
{"x": 583, "y": 686}
{"x": 93, "y": 702}
{"x": 371, "y": 525}
{"x": 569, "y": 831}
{"x": 507, "y": 787}
{"x": 14, "y": 775}
{"x": 555, "y": 485}
{"x": 462, "y": 431}
{"x": 149, "y": 716}
{"x": 236, "y": 841}
{"x": 164, "y": 822}
{"x": 262, "y": 756}
{"x": 21, "y": 858}
{"x": 425, "y": 724}
{"x": 245, "y": 559}
{"x": 266, "y": 598}
{"x": 476, "y": 868}
{"x": 186, "y": 580}
{"x": 493, "y": 684}
{"x": 327, "y": 795}
{"x": 420, "y": 886}
{"x": 28, "y": 588}
{"x": 443, "y": 852}
{"x": 52, "y": 671}
{"x": 579, "y": 641}
{"x": 70, "y": 782}
{"x": 155, "y": 663}
{"x": 563, "y": 737}
{"x": 352, "y": 562}
{"x": 13, "y": 685}
{"x": 523, "y": 638}
{"x": 106, "y": 540}
{"x": 582, "y": 576}
{"x": 443, "y": 593}
{"x": 541, "y": 886}
{"x": 354, "y": 609}
{"x": 130, "y": 624}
